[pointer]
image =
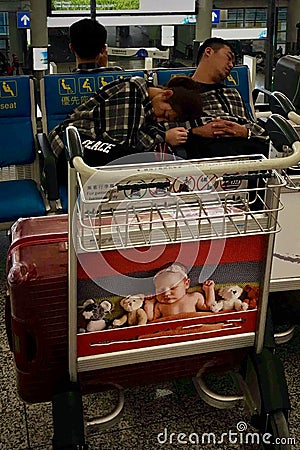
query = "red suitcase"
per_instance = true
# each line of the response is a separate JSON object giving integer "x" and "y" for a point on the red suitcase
{"x": 37, "y": 265}
{"x": 37, "y": 324}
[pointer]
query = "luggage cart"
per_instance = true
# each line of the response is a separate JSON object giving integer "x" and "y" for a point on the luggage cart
{"x": 126, "y": 223}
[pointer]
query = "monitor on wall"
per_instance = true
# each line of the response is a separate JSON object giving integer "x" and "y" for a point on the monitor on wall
{"x": 121, "y": 7}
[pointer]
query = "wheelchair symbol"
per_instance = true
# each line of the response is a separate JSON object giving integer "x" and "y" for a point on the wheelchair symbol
{"x": 67, "y": 86}
{"x": 8, "y": 89}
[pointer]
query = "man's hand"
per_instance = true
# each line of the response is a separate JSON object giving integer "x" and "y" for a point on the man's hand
{"x": 221, "y": 128}
{"x": 176, "y": 136}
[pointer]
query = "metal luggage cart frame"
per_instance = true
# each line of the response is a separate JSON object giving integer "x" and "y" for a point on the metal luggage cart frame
{"x": 92, "y": 226}
{"x": 237, "y": 214}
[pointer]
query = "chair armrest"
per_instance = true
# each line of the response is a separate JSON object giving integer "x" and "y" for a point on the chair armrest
{"x": 49, "y": 167}
{"x": 257, "y": 91}
{"x": 279, "y": 103}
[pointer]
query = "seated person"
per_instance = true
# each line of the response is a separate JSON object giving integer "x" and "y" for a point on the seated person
{"x": 131, "y": 116}
{"x": 225, "y": 127}
{"x": 88, "y": 44}
{"x": 172, "y": 296}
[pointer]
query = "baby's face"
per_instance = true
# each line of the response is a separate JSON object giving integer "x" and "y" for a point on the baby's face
{"x": 170, "y": 287}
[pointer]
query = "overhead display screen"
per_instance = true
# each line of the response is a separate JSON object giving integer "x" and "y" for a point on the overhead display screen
{"x": 121, "y": 6}
{"x": 85, "y": 5}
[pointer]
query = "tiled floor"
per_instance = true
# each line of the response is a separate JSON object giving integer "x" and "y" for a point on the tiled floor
{"x": 151, "y": 413}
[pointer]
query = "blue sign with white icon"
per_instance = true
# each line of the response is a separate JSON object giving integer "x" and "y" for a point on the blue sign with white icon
{"x": 23, "y": 19}
{"x": 190, "y": 19}
{"x": 215, "y": 16}
{"x": 263, "y": 34}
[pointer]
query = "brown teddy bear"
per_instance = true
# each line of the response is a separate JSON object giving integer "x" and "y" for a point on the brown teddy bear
{"x": 134, "y": 315}
{"x": 250, "y": 296}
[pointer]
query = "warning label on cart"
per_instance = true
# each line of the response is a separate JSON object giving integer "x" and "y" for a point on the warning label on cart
{"x": 227, "y": 184}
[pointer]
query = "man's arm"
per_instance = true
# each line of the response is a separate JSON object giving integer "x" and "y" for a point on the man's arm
{"x": 225, "y": 114}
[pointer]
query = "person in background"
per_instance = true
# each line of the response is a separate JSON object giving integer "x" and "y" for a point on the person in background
{"x": 88, "y": 44}
{"x": 16, "y": 63}
{"x": 4, "y": 65}
{"x": 225, "y": 127}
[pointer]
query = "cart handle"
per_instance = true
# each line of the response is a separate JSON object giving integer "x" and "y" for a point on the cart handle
{"x": 280, "y": 130}
{"x": 294, "y": 117}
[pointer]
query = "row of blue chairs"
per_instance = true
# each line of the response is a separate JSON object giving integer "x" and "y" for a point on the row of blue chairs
{"x": 27, "y": 175}
{"x": 61, "y": 93}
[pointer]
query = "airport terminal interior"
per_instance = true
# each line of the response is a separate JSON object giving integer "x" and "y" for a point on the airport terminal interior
{"x": 168, "y": 412}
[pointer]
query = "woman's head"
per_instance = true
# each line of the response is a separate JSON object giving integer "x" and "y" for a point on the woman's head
{"x": 186, "y": 99}
{"x": 179, "y": 101}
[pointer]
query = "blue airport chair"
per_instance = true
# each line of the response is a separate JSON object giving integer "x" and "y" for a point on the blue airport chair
{"x": 239, "y": 78}
{"x": 60, "y": 95}
{"x": 20, "y": 193}
{"x": 161, "y": 76}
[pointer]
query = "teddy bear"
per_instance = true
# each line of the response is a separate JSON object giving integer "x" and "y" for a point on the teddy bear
{"x": 230, "y": 299}
{"x": 250, "y": 296}
{"x": 94, "y": 315}
{"x": 134, "y": 314}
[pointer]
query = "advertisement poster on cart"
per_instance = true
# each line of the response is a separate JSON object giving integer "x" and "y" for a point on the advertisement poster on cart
{"x": 139, "y": 297}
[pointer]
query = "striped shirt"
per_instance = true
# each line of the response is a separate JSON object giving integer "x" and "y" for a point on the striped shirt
{"x": 226, "y": 103}
{"x": 120, "y": 113}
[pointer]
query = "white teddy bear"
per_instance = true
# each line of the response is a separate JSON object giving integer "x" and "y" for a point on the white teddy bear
{"x": 230, "y": 299}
